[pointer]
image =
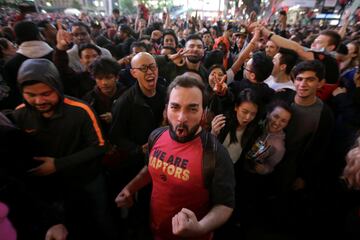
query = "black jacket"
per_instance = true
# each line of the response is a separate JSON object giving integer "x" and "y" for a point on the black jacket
{"x": 133, "y": 121}
{"x": 72, "y": 135}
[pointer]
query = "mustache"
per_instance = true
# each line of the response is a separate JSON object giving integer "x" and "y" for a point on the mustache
{"x": 182, "y": 126}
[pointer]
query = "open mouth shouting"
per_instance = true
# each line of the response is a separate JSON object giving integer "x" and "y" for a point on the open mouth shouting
{"x": 181, "y": 131}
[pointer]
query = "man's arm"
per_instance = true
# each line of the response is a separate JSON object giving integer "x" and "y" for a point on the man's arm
{"x": 124, "y": 198}
{"x": 286, "y": 43}
{"x": 245, "y": 53}
{"x": 92, "y": 139}
{"x": 185, "y": 223}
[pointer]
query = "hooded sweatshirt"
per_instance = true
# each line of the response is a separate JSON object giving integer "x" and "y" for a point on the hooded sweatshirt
{"x": 28, "y": 49}
{"x": 71, "y": 135}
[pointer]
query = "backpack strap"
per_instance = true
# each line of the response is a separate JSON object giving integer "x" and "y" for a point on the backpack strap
{"x": 154, "y": 136}
{"x": 209, "y": 157}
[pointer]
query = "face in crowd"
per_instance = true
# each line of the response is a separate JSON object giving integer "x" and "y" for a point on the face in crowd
{"x": 196, "y": 50}
{"x": 278, "y": 119}
{"x": 169, "y": 41}
{"x": 88, "y": 56}
{"x": 106, "y": 83}
{"x": 215, "y": 74}
{"x": 185, "y": 112}
{"x": 42, "y": 98}
{"x": 245, "y": 113}
{"x": 80, "y": 35}
{"x": 271, "y": 48}
{"x": 307, "y": 84}
{"x": 145, "y": 70}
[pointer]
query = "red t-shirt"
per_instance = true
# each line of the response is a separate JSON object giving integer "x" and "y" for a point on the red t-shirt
{"x": 176, "y": 172}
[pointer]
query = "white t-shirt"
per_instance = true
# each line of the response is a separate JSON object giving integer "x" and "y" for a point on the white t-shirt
{"x": 270, "y": 81}
{"x": 229, "y": 76}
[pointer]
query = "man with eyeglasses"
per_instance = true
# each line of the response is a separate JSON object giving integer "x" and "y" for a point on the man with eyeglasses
{"x": 256, "y": 70}
{"x": 306, "y": 164}
{"x": 81, "y": 35}
{"x": 135, "y": 115}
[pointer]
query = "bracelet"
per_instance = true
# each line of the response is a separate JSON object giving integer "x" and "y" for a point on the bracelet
{"x": 270, "y": 35}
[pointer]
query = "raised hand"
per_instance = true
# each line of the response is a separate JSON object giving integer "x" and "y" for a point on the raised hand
{"x": 178, "y": 58}
{"x": 63, "y": 38}
{"x": 220, "y": 86}
{"x": 217, "y": 124}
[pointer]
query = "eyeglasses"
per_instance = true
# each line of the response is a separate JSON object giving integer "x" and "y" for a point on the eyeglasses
{"x": 145, "y": 68}
{"x": 248, "y": 69}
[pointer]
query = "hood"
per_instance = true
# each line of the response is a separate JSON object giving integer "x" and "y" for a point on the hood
{"x": 224, "y": 40}
{"x": 34, "y": 49}
{"x": 41, "y": 70}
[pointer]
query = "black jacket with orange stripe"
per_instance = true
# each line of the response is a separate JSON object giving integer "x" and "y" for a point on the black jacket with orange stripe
{"x": 72, "y": 135}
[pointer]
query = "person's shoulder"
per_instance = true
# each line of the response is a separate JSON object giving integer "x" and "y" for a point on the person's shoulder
{"x": 104, "y": 52}
{"x": 128, "y": 95}
{"x": 15, "y": 61}
{"x": 76, "y": 104}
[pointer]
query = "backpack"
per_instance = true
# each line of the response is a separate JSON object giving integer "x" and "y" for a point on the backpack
{"x": 209, "y": 152}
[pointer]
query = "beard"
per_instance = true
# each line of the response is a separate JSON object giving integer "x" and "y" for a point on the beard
{"x": 194, "y": 59}
{"x": 183, "y": 129}
{"x": 44, "y": 108}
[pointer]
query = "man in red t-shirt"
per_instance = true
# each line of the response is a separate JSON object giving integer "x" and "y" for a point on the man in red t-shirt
{"x": 182, "y": 204}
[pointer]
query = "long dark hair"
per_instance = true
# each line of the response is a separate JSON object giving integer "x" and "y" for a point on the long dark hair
{"x": 246, "y": 95}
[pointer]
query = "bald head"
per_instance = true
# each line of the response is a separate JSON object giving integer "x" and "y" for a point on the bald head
{"x": 137, "y": 60}
{"x": 144, "y": 69}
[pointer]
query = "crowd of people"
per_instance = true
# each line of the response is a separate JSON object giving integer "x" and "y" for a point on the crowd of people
{"x": 147, "y": 128}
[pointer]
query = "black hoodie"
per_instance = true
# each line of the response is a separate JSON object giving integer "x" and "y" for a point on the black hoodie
{"x": 72, "y": 135}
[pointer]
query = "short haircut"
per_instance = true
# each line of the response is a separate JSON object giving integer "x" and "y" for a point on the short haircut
{"x": 334, "y": 36}
{"x": 262, "y": 66}
{"x": 84, "y": 46}
{"x": 26, "y": 31}
{"x": 83, "y": 25}
{"x": 206, "y": 32}
{"x": 194, "y": 37}
{"x": 140, "y": 45}
{"x": 187, "y": 82}
{"x": 115, "y": 11}
{"x": 312, "y": 65}
{"x": 104, "y": 66}
{"x": 288, "y": 57}
{"x": 172, "y": 33}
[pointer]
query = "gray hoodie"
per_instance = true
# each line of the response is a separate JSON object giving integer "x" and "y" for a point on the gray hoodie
{"x": 41, "y": 70}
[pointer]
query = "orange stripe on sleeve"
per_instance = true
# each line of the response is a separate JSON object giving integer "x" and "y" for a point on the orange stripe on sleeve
{"x": 92, "y": 117}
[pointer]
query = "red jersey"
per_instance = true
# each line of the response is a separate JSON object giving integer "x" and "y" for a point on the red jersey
{"x": 178, "y": 182}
